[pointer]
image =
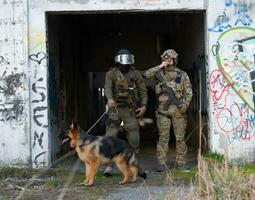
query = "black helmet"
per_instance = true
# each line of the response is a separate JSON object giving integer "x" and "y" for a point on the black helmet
{"x": 124, "y": 57}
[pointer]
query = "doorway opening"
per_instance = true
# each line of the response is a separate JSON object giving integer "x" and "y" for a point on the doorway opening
{"x": 81, "y": 47}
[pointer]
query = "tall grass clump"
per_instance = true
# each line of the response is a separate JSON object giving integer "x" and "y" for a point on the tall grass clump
{"x": 220, "y": 180}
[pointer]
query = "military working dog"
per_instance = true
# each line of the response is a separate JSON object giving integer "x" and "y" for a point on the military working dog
{"x": 93, "y": 150}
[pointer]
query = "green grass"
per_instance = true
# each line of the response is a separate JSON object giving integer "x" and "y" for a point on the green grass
{"x": 248, "y": 169}
{"x": 53, "y": 182}
{"x": 191, "y": 173}
{"x": 5, "y": 198}
{"x": 9, "y": 172}
{"x": 213, "y": 156}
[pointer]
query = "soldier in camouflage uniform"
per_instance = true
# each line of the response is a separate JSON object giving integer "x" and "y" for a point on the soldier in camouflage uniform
{"x": 179, "y": 81}
{"x": 127, "y": 98}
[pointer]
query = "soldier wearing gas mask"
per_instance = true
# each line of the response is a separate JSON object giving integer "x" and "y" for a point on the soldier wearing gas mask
{"x": 126, "y": 95}
{"x": 174, "y": 94}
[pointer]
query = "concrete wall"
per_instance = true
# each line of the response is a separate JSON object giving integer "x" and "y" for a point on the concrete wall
{"x": 231, "y": 63}
{"x": 14, "y": 76}
{"x": 23, "y": 83}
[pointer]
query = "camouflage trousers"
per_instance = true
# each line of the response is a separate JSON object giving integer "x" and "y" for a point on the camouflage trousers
{"x": 131, "y": 125}
{"x": 179, "y": 122}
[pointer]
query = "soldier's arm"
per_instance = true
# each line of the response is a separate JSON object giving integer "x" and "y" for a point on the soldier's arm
{"x": 187, "y": 89}
{"x": 108, "y": 85}
{"x": 151, "y": 72}
{"x": 142, "y": 90}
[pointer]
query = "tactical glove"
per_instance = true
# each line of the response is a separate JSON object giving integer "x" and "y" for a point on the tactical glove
{"x": 183, "y": 108}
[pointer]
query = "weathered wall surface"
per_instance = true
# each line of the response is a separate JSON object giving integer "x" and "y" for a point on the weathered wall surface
{"x": 38, "y": 86}
{"x": 14, "y": 110}
{"x": 231, "y": 78}
{"x": 24, "y": 116}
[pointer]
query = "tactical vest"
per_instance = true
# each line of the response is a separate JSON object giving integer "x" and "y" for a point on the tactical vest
{"x": 125, "y": 90}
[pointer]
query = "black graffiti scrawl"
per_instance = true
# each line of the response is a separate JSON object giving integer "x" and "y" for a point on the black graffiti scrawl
{"x": 38, "y": 114}
{"x": 3, "y": 61}
{"x": 38, "y": 138}
{"x": 35, "y": 88}
{"x": 38, "y": 111}
{"x": 38, "y": 58}
{"x": 11, "y": 102}
{"x": 37, "y": 157}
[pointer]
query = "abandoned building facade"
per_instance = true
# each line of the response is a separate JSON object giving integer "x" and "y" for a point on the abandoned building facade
{"x": 54, "y": 55}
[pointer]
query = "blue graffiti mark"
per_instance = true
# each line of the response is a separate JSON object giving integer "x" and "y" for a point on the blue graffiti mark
{"x": 241, "y": 10}
{"x": 251, "y": 120}
{"x": 221, "y": 24}
{"x": 228, "y": 3}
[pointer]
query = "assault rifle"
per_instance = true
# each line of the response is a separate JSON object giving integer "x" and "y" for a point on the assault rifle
{"x": 172, "y": 99}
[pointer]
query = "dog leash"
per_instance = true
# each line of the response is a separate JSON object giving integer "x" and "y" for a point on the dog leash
{"x": 105, "y": 112}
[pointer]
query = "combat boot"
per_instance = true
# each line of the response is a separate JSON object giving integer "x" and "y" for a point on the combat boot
{"x": 162, "y": 167}
{"x": 183, "y": 166}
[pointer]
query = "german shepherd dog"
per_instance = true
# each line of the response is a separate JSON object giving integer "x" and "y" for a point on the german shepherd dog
{"x": 93, "y": 151}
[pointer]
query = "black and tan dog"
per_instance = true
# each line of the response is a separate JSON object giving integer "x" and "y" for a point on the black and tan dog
{"x": 94, "y": 150}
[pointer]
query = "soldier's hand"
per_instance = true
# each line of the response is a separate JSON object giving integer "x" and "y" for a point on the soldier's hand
{"x": 140, "y": 111}
{"x": 183, "y": 108}
{"x": 163, "y": 64}
{"x": 111, "y": 103}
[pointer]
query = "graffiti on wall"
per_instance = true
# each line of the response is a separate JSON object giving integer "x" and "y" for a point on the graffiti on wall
{"x": 38, "y": 57}
{"x": 238, "y": 12}
{"x": 3, "y": 61}
{"x": 11, "y": 77}
{"x": 11, "y": 103}
{"x": 232, "y": 83}
{"x": 39, "y": 109}
{"x": 221, "y": 23}
{"x": 241, "y": 12}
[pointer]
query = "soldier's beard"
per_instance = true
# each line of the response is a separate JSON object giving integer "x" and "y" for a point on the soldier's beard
{"x": 171, "y": 66}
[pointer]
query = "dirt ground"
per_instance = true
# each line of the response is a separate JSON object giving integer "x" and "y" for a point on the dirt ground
{"x": 63, "y": 181}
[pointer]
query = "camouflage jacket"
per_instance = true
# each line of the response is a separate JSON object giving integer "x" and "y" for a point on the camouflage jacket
{"x": 115, "y": 79}
{"x": 175, "y": 78}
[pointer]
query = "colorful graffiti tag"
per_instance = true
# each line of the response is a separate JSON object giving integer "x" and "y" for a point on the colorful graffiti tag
{"x": 232, "y": 83}
{"x": 235, "y": 58}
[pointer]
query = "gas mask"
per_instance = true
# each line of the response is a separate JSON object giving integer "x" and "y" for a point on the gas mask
{"x": 124, "y": 68}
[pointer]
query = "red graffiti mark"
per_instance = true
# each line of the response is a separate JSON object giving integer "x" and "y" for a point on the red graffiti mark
{"x": 247, "y": 136}
{"x": 219, "y": 88}
{"x": 229, "y": 119}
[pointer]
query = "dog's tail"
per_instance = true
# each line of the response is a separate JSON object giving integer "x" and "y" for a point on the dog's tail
{"x": 141, "y": 173}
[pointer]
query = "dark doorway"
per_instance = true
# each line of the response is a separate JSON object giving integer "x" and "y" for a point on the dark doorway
{"x": 81, "y": 47}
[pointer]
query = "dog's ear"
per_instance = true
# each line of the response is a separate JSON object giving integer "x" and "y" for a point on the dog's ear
{"x": 74, "y": 124}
